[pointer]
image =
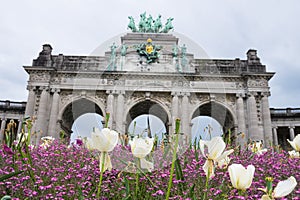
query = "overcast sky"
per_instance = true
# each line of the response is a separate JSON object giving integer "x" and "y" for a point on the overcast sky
{"x": 224, "y": 29}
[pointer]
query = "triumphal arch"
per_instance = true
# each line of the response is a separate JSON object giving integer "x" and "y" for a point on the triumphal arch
{"x": 148, "y": 71}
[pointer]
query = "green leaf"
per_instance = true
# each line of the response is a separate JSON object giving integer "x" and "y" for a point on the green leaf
{"x": 191, "y": 192}
{"x": 178, "y": 170}
{"x": 7, "y": 176}
{"x": 127, "y": 189}
{"x": 6, "y": 197}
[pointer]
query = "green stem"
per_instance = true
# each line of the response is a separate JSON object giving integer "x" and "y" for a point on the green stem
{"x": 137, "y": 179}
{"x": 173, "y": 159}
{"x": 206, "y": 184}
{"x": 101, "y": 172}
{"x": 107, "y": 119}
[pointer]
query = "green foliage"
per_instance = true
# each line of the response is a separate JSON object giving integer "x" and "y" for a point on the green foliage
{"x": 7, "y": 176}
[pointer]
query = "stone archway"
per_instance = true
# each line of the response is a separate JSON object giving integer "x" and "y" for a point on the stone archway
{"x": 217, "y": 111}
{"x": 147, "y": 107}
{"x": 74, "y": 110}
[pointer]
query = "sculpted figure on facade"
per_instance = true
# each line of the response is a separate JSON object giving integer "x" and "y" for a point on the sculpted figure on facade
{"x": 131, "y": 24}
{"x": 157, "y": 24}
{"x": 149, "y": 51}
{"x": 142, "y": 23}
{"x": 124, "y": 49}
{"x": 112, "y": 62}
{"x": 168, "y": 26}
{"x": 149, "y": 25}
{"x": 184, "y": 60}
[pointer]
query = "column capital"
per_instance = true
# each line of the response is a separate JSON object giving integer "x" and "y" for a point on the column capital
{"x": 186, "y": 94}
{"x": 120, "y": 92}
{"x": 240, "y": 95}
{"x": 42, "y": 88}
{"x": 174, "y": 93}
{"x": 55, "y": 90}
{"x": 31, "y": 87}
{"x": 109, "y": 92}
{"x": 266, "y": 94}
{"x": 250, "y": 94}
{"x": 291, "y": 127}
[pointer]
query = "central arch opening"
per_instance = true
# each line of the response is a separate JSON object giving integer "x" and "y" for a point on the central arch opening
{"x": 210, "y": 120}
{"x": 147, "y": 115}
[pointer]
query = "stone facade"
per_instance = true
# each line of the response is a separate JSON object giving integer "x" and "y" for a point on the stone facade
{"x": 10, "y": 110}
{"x": 234, "y": 92}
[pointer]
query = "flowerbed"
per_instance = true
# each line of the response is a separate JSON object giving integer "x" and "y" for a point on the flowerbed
{"x": 62, "y": 172}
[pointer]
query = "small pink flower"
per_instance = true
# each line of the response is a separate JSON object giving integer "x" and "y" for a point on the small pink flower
{"x": 7, "y": 150}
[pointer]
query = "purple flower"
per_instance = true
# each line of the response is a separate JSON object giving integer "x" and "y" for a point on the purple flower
{"x": 7, "y": 150}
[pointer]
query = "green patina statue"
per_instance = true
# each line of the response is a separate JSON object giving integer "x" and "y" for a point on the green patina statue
{"x": 184, "y": 60}
{"x": 112, "y": 62}
{"x": 131, "y": 24}
{"x": 149, "y": 25}
{"x": 157, "y": 24}
{"x": 168, "y": 26}
{"x": 123, "y": 50}
{"x": 149, "y": 51}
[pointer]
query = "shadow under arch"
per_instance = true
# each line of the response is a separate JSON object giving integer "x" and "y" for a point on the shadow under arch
{"x": 147, "y": 107}
{"x": 75, "y": 109}
{"x": 217, "y": 111}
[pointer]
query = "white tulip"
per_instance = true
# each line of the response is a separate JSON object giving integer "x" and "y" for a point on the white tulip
{"x": 295, "y": 143}
{"x": 282, "y": 189}
{"x": 285, "y": 187}
{"x": 294, "y": 154}
{"x": 214, "y": 154}
{"x": 240, "y": 177}
{"x": 47, "y": 140}
{"x": 256, "y": 147}
{"x": 104, "y": 140}
{"x": 140, "y": 148}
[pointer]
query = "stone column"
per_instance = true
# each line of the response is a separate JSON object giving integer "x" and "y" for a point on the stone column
{"x": 110, "y": 107}
{"x": 40, "y": 128}
{"x": 3, "y": 124}
{"x": 120, "y": 113}
{"x": 185, "y": 114}
{"x": 20, "y": 121}
{"x": 53, "y": 114}
{"x": 253, "y": 129}
{"x": 174, "y": 111}
{"x": 267, "y": 119}
{"x": 275, "y": 137}
{"x": 292, "y": 132}
{"x": 241, "y": 129}
{"x": 30, "y": 102}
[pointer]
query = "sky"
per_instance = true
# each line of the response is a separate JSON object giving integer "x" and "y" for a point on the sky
{"x": 224, "y": 29}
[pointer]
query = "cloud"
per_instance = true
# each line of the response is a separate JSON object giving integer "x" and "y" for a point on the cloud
{"x": 224, "y": 29}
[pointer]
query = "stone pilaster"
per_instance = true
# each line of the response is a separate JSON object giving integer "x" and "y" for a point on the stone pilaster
{"x": 253, "y": 129}
{"x": 110, "y": 107}
{"x": 20, "y": 121}
{"x": 30, "y": 101}
{"x": 292, "y": 132}
{"x": 241, "y": 129}
{"x": 41, "y": 125}
{"x": 185, "y": 114}
{"x": 174, "y": 110}
{"x": 120, "y": 113}
{"x": 3, "y": 125}
{"x": 52, "y": 131}
{"x": 267, "y": 120}
{"x": 275, "y": 137}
